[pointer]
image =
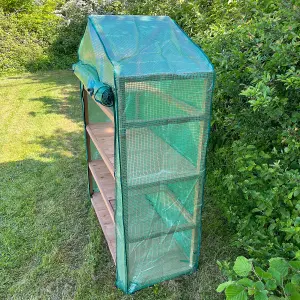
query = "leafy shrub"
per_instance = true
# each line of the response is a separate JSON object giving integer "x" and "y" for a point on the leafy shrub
{"x": 249, "y": 281}
{"x": 71, "y": 30}
{"x": 16, "y": 5}
{"x": 254, "y": 160}
{"x": 25, "y": 37}
{"x": 265, "y": 202}
{"x": 41, "y": 35}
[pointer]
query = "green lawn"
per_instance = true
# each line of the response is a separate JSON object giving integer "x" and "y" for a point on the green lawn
{"x": 51, "y": 246}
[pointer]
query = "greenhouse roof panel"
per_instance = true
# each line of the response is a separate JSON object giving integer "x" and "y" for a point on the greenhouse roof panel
{"x": 146, "y": 45}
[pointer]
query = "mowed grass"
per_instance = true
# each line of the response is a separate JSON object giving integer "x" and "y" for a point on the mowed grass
{"x": 51, "y": 246}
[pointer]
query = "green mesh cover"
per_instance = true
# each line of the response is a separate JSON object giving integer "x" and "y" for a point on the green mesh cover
{"x": 162, "y": 85}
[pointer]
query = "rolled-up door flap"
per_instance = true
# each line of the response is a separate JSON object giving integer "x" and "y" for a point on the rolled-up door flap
{"x": 88, "y": 76}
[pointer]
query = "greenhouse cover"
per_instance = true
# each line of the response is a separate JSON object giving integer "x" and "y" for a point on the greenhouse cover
{"x": 159, "y": 86}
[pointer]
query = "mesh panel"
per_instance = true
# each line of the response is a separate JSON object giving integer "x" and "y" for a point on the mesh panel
{"x": 169, "y": 99}
{"x": 162, "y": 84}
{"x": 163, "y": 134}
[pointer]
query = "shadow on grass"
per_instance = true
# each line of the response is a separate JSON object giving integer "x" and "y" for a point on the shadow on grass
{"x": 49, "y": 233}
{"x": 59, "y": 106}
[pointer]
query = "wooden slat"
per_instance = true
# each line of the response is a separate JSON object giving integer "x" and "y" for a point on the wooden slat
{"x": 102, "y": 135}
{"x": 105, "y": 183}
{"x": 106, "y": 222}
{"x": 88, "y": 142}
{"x": 163, "y": 121}
{"x": 198, "y": 192}
{"x": 107, "y": 111}
{"x": 106, "y": 186}
{"x": 180, "y": 207}
{"x": 144, "y": 87}
{"x": 169, "y": 230}
{"x": 143, "y": 165}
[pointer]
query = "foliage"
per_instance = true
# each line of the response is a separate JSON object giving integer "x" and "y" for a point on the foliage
{"x": 74, "y": 14}
{"x": 25, "y": 36}
{"x": 256, "y": 143}
{"x": 265, "y": 203}
{"x": 16, "y": 5}
{"x": 249, "y": 281}
{"x": 40, "y": 35}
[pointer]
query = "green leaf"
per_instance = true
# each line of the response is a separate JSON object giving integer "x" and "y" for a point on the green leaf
{"x": 242, "y": 266}
{"x": 296, "y": 279}
{"x": 276, "y": 275}
{"x": 223, "y": 286}
{"x": 291, "y": 288}
{"x": 295, "y": 265}
{"x": 275, "y": 298}
{"x": 295, "y": 296}
{"x": 297, "y": 255}
{"x": 236, "y": 292}
{"x": 261, "y": 273}
{"x": 246, "y": 282}
{"x": 271, "y": 284}
{"x": 280, "y": 265}
{"x": 251, "y": 291}
{"x": 261, "y": 295}
{"x": 259, "y": 286}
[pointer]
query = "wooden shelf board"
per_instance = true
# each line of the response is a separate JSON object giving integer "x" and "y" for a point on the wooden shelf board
{"x": 107, "y": 225}
{"x": 168, "y": 165}
{"x": 105, "y": 183}
{"x": 102, "y": 135}
{"x": 144, "y": 87}
{"x": 106, "y": 186}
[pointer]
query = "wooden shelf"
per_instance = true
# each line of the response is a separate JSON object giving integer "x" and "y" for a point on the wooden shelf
{"x": 106, "y": 222}
{"x": 138, "y": 205}
{"x": 102, "y": 135}
{"x": 144, "y": 166}
{"x": 105, "y": 183}
{"x": 108, "y": 228}
{"x": 150, "y": 161}
{"x": 145, "y": 157}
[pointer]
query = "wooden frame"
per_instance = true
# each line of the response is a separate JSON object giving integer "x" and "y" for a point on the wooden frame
{"x": 103, "y": 202}
{"x": 103, "y": 171}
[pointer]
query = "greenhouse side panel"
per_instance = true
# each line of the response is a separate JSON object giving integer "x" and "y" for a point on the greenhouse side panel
{"x": 162, "y": 132}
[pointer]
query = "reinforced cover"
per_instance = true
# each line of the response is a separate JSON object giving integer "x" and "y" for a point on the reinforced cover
{"x": 162, "y": 86}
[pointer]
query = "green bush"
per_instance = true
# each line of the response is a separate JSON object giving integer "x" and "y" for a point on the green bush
{"x": 281, "y": 280}
{"x": 42, "y": 35}
{"x": 255, "y": 146}
{"x": 10, "y": 6}
{"x": 26, "y": 36}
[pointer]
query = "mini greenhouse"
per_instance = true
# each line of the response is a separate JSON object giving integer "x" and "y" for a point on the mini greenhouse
{"x": 146, "y": 96}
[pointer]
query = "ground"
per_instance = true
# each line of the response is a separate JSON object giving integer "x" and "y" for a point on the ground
{"x": 51, "y": 246}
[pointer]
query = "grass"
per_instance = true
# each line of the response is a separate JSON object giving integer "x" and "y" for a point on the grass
{"x": 51, "y": 246}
